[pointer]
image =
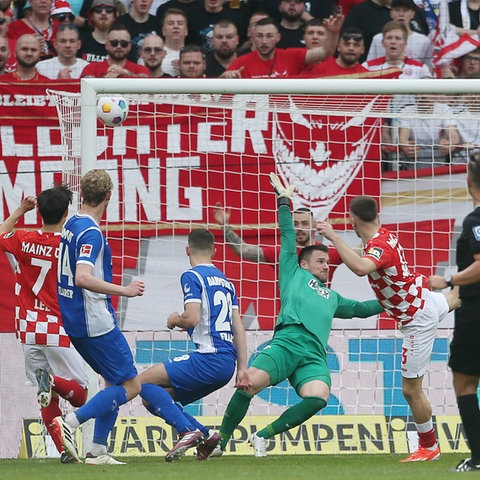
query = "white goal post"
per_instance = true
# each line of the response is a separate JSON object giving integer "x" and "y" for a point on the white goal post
{"x": 188, "y": 144}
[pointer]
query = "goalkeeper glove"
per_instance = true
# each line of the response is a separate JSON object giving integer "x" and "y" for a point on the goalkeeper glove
{"x": 283, "y": 193}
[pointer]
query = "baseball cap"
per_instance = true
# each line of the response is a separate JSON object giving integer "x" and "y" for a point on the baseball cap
{"x": 403, "y": 3}
{"x": 60, "y": 6}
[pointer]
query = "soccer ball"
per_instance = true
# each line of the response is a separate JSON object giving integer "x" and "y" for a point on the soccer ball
{"x": 112, "y": 111}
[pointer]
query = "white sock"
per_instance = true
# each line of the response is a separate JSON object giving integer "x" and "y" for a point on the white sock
{"x": 98, "y": 449}
{"x": 72, "y": 420}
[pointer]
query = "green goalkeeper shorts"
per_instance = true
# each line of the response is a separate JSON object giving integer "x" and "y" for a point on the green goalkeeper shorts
{"x": 294, "y": 354}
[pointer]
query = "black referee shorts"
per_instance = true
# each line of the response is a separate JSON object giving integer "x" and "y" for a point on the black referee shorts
{"x": 465, "y": 345}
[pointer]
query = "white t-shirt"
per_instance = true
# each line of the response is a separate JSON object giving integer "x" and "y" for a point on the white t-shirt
{"x": 427, "y": 132}
{"x": 51, "y": 67}
{"x": 167, "y": 66}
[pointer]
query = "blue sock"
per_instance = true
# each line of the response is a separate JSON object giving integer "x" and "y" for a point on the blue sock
{"x": 197, "y": 424}
{"x": 161, "y": 404}
{"x": 104, "y": 402}
{"x": 103, "y": 426}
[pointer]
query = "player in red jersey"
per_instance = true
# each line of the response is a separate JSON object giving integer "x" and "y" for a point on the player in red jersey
{"x": 50, "y": 361}
{"x": 405, "y": 296}
{"x": 304, "y": 224}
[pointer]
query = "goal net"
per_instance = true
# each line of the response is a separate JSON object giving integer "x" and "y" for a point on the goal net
{"x": 188, "y": 147}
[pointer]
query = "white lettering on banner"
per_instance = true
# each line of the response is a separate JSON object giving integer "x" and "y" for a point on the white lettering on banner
{"x": 147, "y": 192}
{"x": 44, "y": 143}
{"x": 10, "y": 148}
{"x": 24, "y": 185}
{"x": 241, "y": 124}
{"x": 194, "y": 194}
{"x": 24, "y": 100}
{"x": 120, "y": 142}
{"x": 49, "y": 169}
{"x": 243, "y": 127}
{"x": 205, "y": 137}
{"x": 113, "y": 210}
{"x": 173, "y": 139}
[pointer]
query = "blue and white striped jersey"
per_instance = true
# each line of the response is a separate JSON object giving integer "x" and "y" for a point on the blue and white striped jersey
{"x": 207, "y": 285}
{"x": 84, "y": 313}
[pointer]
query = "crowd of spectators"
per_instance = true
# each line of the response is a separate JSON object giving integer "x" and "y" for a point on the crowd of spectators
{"x": 55, "y": 39}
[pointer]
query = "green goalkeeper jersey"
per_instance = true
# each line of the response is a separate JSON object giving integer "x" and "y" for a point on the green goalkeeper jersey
{"x": 305, "y": 300}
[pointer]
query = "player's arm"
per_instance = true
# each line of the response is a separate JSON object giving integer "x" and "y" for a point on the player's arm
{"x": 188, "y": 319}
{"x": 243, "y": 249}
{"x": 333, "y": 24}
{"x": 240, "y": 342}
{"x": 288, "y": 250}
{"x": 348, "y": 308}
{"x": 27, "y": 204}
{"x": 84, "y": 278}
{"x": 361, "y": 266}
{"x": 460, "y": 279}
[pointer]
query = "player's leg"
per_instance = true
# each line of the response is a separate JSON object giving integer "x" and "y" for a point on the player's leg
{"x": 311, "y": 381}
{"x": 67, "y": 374}
{"x": 110, "y": 356}
{"x": 36, "y": 362}
{"x": 238, "y": 405}
{"x": 189, "y": 377}
{"x": 159, "y": 402}
{"x": 464, "y": 361}
{"x": 467, "y": 400}
{"x": 418, "y": 339}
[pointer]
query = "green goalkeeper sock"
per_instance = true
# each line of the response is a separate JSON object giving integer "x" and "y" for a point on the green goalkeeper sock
{"x": 236, "y": 410}
{"x": 293, "y": 416}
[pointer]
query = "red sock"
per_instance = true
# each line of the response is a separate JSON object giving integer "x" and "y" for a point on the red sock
{"x": 427, "y": 439}
{"x": 48, "y": 414}
{"x": 70, "y": 390}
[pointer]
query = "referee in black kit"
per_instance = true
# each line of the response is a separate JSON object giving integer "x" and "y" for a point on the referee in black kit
{"x": 465, "y": 346}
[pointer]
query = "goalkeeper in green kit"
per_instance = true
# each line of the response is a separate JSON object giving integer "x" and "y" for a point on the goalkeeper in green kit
{"x": 298, "y": 349}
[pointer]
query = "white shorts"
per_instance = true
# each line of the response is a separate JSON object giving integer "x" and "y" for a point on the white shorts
{"x": 60, "y": 361}
{"x": 420, "y": 333}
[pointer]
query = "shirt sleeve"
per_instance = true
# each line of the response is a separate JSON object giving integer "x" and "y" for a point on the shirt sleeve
{"x": 89, "y": 246}
{"x": 348, "y": 308}
{"x": 191, "y": 287}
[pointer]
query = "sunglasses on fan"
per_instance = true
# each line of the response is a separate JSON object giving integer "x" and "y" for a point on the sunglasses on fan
{"x": 123, "y": 43}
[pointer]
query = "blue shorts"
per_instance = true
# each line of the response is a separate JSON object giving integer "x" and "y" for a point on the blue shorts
{"x": 196, "y": 375}
{"x": 109, "y": 355}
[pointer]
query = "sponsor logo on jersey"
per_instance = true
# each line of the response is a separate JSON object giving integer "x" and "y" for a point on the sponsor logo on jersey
{"x": 321, "y": 290}
{"x": 186, "y": 288}
{"x": 85, "y": 250}
{"x": 476, "y": 232}
{"x": 375, "y": 252}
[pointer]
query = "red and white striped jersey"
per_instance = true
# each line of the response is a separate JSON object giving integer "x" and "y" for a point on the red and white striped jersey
{"x": 397, "y": 288}
{"x": 37, "y": 314}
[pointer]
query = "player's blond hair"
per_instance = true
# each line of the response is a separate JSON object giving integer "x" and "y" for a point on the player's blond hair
{"x": 94, "y": 186}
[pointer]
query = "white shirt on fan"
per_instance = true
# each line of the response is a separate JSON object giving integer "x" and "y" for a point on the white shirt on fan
{"x": 167, "y": 65}
{"x": 50, "y": 68}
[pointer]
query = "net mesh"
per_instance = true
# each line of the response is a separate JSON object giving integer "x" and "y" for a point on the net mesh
{"x": 177, "y": 158}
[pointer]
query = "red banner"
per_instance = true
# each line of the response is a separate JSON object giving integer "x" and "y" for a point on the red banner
{"x": 173, "y": 162}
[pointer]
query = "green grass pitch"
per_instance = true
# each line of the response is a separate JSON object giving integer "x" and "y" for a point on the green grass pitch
{"x": 275, "y": 467}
